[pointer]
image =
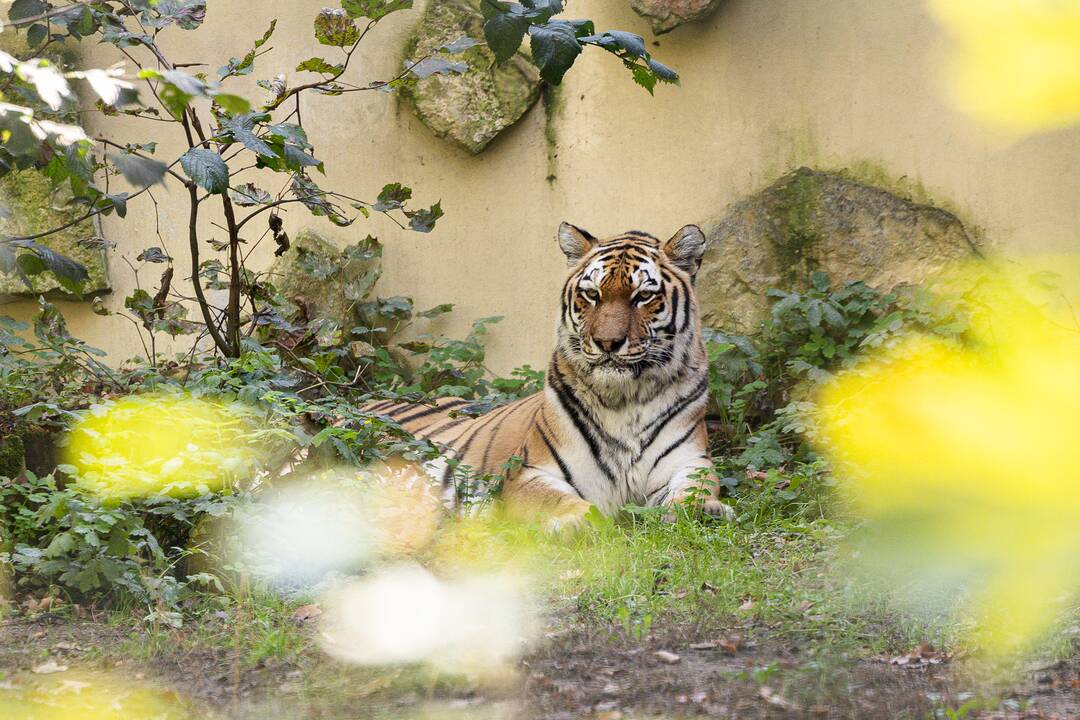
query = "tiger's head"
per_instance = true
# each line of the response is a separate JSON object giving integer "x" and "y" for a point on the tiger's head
{"x": 628, "y": 305}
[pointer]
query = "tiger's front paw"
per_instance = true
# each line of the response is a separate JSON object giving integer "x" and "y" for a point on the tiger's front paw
{"x": 709, "y": 508}
{"x": 715, "y": 508}
{"x": 568, "y": 522}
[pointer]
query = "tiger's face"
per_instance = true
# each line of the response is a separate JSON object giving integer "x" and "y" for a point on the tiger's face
{"x": 628, "y": 305}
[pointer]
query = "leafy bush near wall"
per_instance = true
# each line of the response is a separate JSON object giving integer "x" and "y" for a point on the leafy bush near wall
{"x": 762, "y": 388}
{"x": 58, "y": 540}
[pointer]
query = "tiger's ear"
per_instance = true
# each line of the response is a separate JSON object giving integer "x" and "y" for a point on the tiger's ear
{"x": 685, "y": 249}
{"x": 574, "y": 242}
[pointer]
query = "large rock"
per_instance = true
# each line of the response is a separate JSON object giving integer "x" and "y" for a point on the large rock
{"x": 327, "y": 283}
{"x": 666, "y": 15}
{"x": 32, "y": 206}
{"x": 28, "y": 199}
{"x": 810, "y": 220}
{"x": 469, "y": 108}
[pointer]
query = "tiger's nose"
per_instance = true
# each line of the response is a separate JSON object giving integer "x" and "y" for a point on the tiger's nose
{"x": 610, "y": 345}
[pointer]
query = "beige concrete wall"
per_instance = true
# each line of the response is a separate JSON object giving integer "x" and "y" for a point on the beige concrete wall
{"x": 767, "y": 85}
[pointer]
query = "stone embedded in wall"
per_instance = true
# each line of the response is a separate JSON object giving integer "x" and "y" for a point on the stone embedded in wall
{"x": 666, "y": 15}
{"x": 326, "y": 283}
{"x": 469, "y": 108}
{"x": 28, "y": 198}
{"x": 811, "y": 220}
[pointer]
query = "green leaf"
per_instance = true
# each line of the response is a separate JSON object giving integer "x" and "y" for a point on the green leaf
{"x": 663, "y": 72}
{"x": 139, "y": 171}
{"x": 178, "y": 89}
{"x": 336, "y": 28}
{"x": 504, "y": 33}
{"x": 70, "y": 273}
{"x": 232, "y": 104}
{"x": 315, "y": 200}
{"x": 24, "y": 9}
{"x": 290, "y": 132}
{"x": 644, "y": 77}
{"x": 296, "y": 159}
{"x": 185, "y": 14}
{"x": 140, "y": 303}
{"x": 555, "y": 47}
{"x": 207, "y": 169}
{"x": 242, "y": 129}
{"x": 247, "y": 195}
{"x": 392, "y": 196}
{"x": 618, "y": 41}
{"x": 435, "y": 66}
{"x": 436, "y": 311}
{"x": 374, "y": 9}
{"x": 319, "y": 65}
{"x": 424, "y": 220}
{"x": 37, "y": 34}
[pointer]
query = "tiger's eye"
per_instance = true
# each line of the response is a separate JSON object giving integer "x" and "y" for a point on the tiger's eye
{"x": 590, "y": 295}
{"x": 645, "y": 297}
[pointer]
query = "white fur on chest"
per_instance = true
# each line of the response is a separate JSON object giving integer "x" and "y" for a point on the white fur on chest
{"x": 627, "y": 466}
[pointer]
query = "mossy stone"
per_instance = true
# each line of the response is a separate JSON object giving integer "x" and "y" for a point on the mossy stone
{"x": 326, "y": 283}
{"x": 666, "y": 15}
{"x": 811, "y": 220}
{"x": 471, "y": 108}
{"x": 27, "y": 195}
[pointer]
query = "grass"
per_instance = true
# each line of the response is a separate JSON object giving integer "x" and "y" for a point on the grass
{"x": 778, "y": 576}
{"x": 777, "y": 569}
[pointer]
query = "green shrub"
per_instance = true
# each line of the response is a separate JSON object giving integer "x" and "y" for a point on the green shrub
{"x": 57, "y": 539}
{"x": 761, "y": 389}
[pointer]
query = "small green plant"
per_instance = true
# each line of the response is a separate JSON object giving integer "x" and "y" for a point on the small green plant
{"x": 761, "y": 389}
{"x": 58, "y": 539}
{"x": 634, "y": 621}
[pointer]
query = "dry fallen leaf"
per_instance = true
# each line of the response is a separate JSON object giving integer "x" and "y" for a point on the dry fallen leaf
{"x": 920, "y": 657}
{"x": 666, "y": 656}
{"x": 707, "y": 645}
{"x": 773, "y": 698}
{"x": 48, "y": 667}
{"x": 306, "y": 612}
{"x": 731, "y": 644}
{"x": 747, "y": 604}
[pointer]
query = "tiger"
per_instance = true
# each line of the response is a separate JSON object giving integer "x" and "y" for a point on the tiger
{"x": 621, "y": 417}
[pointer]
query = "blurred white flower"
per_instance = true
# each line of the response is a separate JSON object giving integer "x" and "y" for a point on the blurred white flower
{"x": 404, "y": 614}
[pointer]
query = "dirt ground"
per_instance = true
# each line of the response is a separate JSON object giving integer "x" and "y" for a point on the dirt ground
{"x": 678, "y": 672}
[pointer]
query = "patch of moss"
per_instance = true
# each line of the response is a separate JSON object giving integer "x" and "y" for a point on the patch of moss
{"x": 553, "y": 106}
{"x": 12, "y": 455}
{"x": 27, "y": 194}
{"x": 794, "y": 209}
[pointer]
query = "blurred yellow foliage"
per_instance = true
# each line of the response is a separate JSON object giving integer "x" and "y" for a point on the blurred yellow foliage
{"x": 88, "y": 696}
{"x": 1016, "y": 65}
{"x": 163, "y": 443}
{"x": 968, "y": 451}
